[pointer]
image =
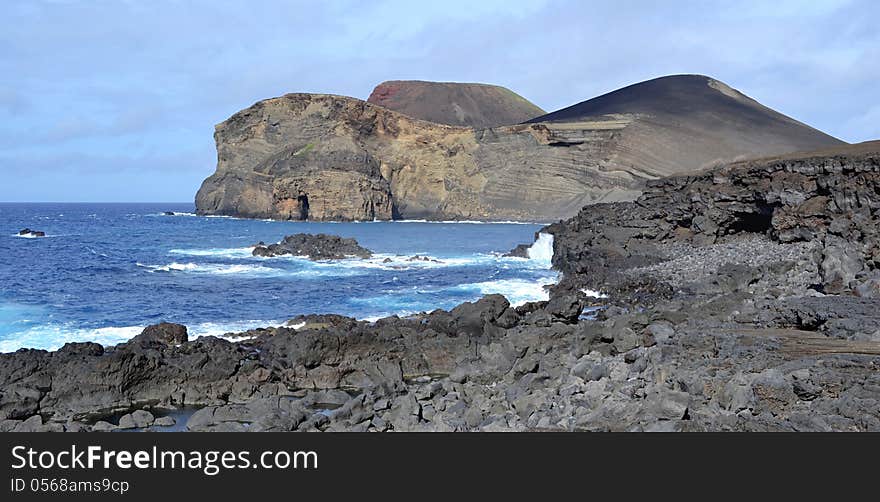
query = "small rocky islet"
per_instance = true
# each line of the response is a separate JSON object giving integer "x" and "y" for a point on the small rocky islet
{"x": 744, "y": 298}
{"x": 27, "y": 232}
{"x": 315, "y": 247}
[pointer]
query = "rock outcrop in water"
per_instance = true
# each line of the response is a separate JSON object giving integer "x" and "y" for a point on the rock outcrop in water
{"x": 470, "y": 105}
{"x": 322, "y": 157}
{"x": 315, "y": 247}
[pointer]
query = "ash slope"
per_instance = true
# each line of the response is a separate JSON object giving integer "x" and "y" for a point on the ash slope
{"x": 682, "y": 122}
{"x": 460, "y": 104}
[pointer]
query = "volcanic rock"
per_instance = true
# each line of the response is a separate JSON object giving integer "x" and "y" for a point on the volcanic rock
{"x": 315, "y": 247}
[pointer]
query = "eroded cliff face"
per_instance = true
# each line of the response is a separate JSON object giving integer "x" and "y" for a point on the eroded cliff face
{"x": 323, "y": 157}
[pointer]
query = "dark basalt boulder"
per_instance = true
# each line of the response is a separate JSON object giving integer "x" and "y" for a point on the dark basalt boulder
{"x": 315, "y": 247}
{"x": 27, "y": 232}
{"x": 565, "y": 308}
{"x": 165, "y": 333}
{"x": 521, "y": 251}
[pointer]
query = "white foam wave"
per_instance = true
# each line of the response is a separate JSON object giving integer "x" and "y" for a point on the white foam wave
{"x": 517, "y": 291}
{"x": 212, "y": 268}
{"x": 379, "y": 261}
{"x": 216, "y": 252}
{"x": 398, "y": 313}
{"x": 248, "y": 270}
{"x": 593, "y": 294}
{"x": 177, "y": 213}
{"x": 392, "y": 262}
{"x": 54, "y": 336}
{"x": 541, "y": 252}
{"x": 32, "y": 236}
{"x": 406, "y": 262}
{"x": 221, "y": 329}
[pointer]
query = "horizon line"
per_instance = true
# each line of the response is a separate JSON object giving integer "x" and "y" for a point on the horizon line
{"x": 94, "y": 202}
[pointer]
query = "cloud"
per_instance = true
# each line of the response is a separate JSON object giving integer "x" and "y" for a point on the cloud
{"x": 115, "y": 82}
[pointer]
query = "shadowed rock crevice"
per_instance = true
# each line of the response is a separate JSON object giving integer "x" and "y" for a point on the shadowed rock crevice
{"x": 303, "y": 207}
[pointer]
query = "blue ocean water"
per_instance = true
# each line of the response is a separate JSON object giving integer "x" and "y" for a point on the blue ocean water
{"x": 104, "y": 271}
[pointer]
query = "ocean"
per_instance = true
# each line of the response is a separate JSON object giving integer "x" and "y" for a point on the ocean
{"x": 105, "y": 271}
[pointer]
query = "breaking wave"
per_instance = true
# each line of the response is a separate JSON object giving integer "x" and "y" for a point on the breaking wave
{"x": 517, "y": 291}
{"x": 53, "y": 336}
{"x": 542, "y": 250}
{"x": 211, "y": 268}
{"x": 216, "y": 252}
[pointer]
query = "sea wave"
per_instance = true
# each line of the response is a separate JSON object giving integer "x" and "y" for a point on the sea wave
{"x": 245, "y": 252}
{"x": 517, "y": 291}
{"x": 248, "y": 270}
{"x": 32, "y": 236}
{"x": 53, "y": 336}
{"x": 541, "y": 251}
{"x": 222, "y": 329}
{"x": 380, "y": 261}
{"x": 407, "y": 300}
{"x": 213, "y": 268}
{"x": 383, "y": 261}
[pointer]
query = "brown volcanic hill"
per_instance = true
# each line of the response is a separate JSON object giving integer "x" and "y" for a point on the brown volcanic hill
{"x": 323, "y": 157}
{"x": 453, "y": 103}
{"x": 681, "y": 122}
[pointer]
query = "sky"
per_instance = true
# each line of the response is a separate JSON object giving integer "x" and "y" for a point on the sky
{"x": 115, "y": 101}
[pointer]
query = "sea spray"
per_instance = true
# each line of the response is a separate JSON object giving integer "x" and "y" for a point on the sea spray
{"x": 541, "y": 251}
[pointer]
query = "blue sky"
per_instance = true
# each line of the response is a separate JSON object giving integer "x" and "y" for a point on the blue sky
{"x": 116, "y": 100}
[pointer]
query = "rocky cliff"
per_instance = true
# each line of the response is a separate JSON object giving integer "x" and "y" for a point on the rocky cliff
{"x": 324, "y": 157}
{"x": 469, "y": 105}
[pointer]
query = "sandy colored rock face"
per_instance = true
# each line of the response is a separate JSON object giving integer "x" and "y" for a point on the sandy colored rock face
{"x": 320, "y": 157}
{"x": 323, "y": 157}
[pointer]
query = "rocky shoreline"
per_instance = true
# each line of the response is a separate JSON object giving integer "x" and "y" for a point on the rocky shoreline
{"x": 743, "y": 298}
